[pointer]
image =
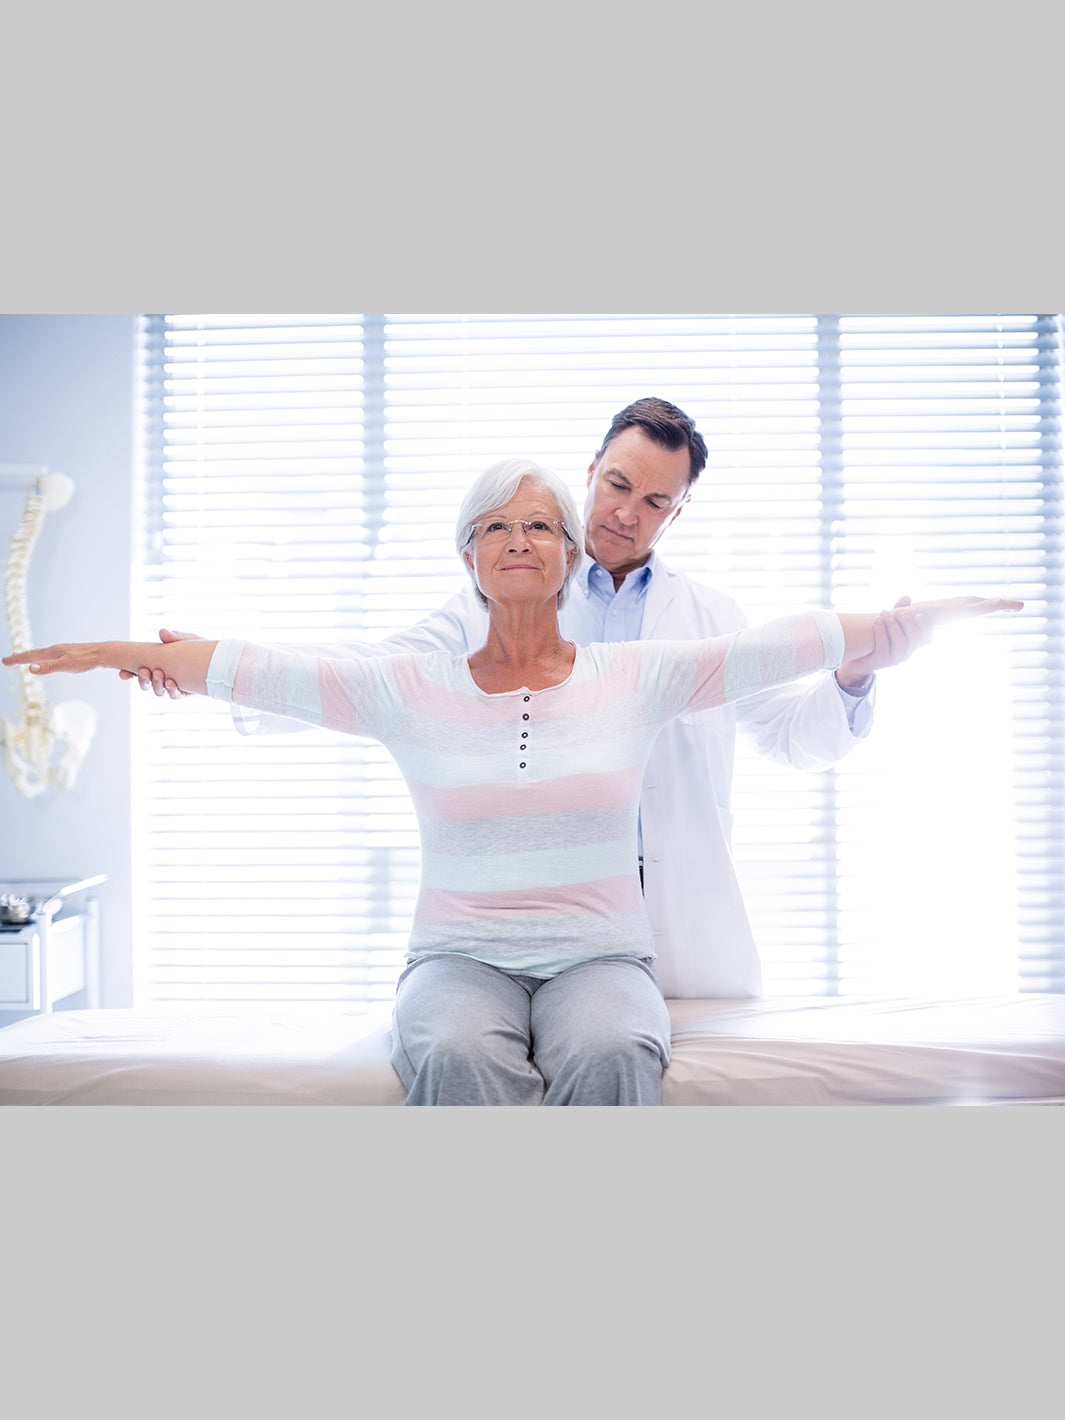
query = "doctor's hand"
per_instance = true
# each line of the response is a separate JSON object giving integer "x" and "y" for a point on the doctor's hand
{"x": 898, "y": 634}
{"x": 154, "y": 680}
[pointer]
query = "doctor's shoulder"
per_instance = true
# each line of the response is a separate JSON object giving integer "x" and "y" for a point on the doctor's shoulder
{"x": 697, "y": 608}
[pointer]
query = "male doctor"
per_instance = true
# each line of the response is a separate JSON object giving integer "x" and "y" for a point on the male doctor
{"x": 638, "y": 483}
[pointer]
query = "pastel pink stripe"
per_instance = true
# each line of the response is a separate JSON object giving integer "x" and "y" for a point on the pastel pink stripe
{"x": 710, "y": 676}
{"x": 421, "y": 692}
{"x": 337, "y": 710}
{"x": 418, "y": 691}
{"x": 440, "y": 906}
{"x": 585, "y": 696}
{"x": 461, "y": 804}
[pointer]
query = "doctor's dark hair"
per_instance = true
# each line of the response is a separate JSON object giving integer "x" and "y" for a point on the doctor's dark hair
{"x": 664, "y": 424}
{"x": 495, "y": 487}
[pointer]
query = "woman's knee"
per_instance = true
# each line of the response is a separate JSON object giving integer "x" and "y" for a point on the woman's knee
{"x": 605, "y": 1045}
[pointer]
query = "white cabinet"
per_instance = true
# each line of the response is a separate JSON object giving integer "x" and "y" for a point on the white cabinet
{"x": 54, "y": 955}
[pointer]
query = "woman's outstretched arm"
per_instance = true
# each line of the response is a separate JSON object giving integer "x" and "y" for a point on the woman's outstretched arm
{"x": 860, "y": 628}
{"x": 185, "y": 662}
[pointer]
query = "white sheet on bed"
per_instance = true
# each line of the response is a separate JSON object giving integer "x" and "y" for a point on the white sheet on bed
{"x": 198, "y": 1055}
{"x": 1008, "y": 1049}
{"x": 835, "y": 1050}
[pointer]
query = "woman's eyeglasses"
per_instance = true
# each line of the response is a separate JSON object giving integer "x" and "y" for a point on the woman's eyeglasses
{"x": 536, "y": 529}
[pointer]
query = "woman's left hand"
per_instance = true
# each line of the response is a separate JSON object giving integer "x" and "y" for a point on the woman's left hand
{"x": 930, "y": 614}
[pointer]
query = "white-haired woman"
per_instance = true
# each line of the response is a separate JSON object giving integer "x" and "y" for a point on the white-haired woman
{"x": 530, "y": 967}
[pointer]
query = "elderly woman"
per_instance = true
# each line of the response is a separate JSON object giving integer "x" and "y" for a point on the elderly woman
{"x": 530, "y": 969}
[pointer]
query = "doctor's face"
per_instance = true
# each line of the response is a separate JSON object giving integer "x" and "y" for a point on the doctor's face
{"x": 635, "y": 490}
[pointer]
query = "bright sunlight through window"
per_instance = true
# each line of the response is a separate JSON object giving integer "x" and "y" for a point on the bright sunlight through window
{"x": 300, "y": 479}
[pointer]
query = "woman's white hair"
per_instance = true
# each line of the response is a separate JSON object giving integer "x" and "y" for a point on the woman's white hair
{"x": 495, "y": 487}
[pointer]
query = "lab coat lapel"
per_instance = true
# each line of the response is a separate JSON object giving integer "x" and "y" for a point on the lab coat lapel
{"x": 661, "y": 593}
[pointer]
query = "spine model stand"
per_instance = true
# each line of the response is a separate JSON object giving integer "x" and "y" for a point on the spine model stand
{"x": 27, "y": 746}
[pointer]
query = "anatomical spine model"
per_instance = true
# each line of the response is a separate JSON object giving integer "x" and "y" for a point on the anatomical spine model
{"x": 28, "y": 745}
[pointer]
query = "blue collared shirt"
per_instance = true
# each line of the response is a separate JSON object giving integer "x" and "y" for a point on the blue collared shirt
{"x": 618, "y": 614}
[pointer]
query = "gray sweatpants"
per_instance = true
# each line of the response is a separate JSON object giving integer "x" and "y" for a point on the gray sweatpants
{"x": 465, "y": 1033}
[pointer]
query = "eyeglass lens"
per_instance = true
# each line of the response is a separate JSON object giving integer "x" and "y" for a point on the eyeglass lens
{"x": 498, "y": 528}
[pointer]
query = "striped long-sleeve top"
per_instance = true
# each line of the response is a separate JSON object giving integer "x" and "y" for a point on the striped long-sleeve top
{"x": 527, "y": 800}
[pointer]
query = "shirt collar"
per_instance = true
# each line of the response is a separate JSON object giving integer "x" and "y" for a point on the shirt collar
{"x": 640, "y": 579}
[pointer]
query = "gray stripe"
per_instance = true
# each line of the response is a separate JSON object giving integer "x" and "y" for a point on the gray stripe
{"x": 528, "y": 833}
{"x": 513, "y": 939}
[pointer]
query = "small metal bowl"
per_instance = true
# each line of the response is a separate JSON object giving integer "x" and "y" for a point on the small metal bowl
{"x": 14, "y": 911}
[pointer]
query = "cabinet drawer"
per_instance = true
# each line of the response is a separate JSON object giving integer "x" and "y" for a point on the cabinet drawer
{"x": 17, "y": 973}
{"x": 20, "y": 954}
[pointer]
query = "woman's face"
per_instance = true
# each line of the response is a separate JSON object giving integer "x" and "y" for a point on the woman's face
{"x": 527, "y": 563}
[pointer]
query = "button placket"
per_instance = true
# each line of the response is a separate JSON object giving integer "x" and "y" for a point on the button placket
{"x": 523, "y": 746}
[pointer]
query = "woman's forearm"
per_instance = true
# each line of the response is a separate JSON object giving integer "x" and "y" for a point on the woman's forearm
{"x": 184, "y": 662}
{"x": 858, "y": 634}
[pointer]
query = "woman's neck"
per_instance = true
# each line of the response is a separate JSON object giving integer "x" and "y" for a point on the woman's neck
{"x": 521, "y": 650}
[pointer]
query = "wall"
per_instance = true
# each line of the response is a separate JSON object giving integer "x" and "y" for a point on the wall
{"x": 67, "y": 401}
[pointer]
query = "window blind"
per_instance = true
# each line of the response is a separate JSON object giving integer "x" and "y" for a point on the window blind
{"x": 299, "y": 481}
